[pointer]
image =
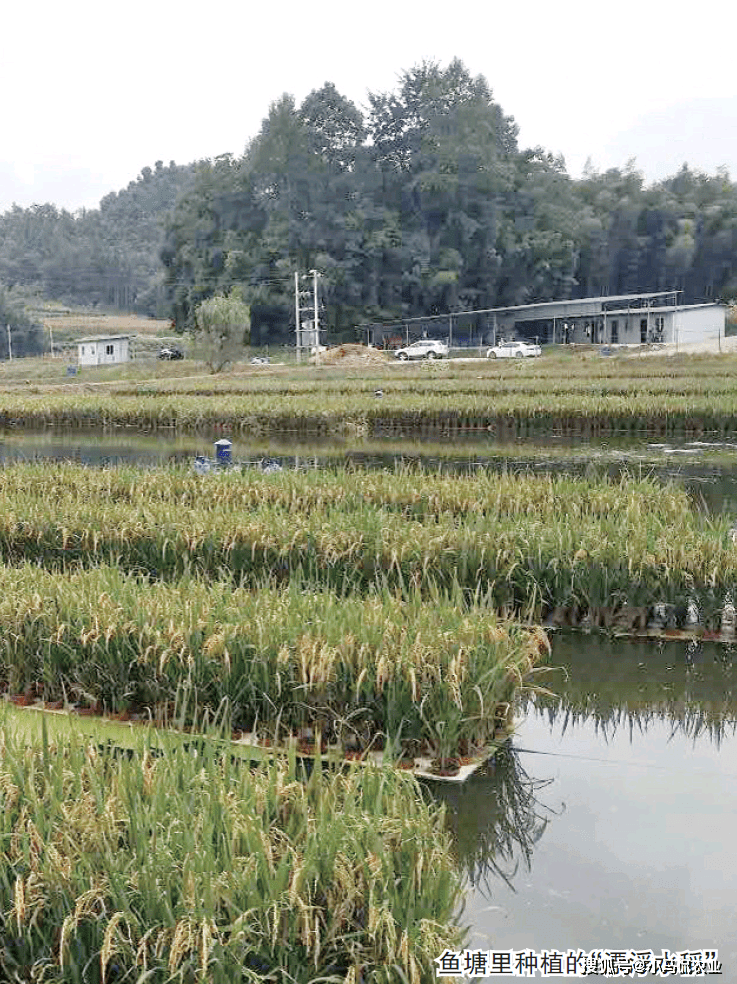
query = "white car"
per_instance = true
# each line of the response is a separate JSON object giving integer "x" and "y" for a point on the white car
{"x": 426, "y": 348}
{"x": 514, "y": 350}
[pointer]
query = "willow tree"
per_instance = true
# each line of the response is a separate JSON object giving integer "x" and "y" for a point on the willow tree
{"x": 223, "y": 329}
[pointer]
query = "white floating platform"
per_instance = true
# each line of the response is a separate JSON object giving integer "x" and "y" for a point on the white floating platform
{"x": 30, "y": 718}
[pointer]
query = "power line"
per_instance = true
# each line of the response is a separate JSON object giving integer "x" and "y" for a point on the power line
{"x": 620, "y": 762}
{"x": 38, "y": 275}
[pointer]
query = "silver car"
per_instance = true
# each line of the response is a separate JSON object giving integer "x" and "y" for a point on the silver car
{"x": 425, "y": 348}
{"x": 514, "y": 350}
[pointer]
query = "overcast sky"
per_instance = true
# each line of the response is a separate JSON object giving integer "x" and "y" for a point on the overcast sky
{"x": 93, "y": 92}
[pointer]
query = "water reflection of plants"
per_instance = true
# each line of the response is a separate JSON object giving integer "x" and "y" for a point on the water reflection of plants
{"x": 496, "y": 820}
{"x": 616, "y": 685}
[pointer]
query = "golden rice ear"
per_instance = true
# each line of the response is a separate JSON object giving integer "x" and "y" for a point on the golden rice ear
{"x": 109, "y": 944}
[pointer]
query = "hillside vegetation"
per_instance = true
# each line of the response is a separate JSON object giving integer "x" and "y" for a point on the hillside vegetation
{"x": 425, "y": 203}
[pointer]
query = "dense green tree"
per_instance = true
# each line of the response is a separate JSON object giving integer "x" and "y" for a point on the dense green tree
{"x": 335, "y": 127}
{"x": 107, "y": 256}
{"x": 429, "y": 206}
{"x": 20, "y": 334}
{"x": 448, "y": 155}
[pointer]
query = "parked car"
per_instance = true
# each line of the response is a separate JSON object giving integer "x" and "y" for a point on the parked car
{"x": 169, "y": 354}
{"x": 425, "y": 348}
{"x": 514, "y": 350}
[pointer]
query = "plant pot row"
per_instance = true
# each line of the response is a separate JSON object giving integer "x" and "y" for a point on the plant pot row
{"x": 440, "y": 765}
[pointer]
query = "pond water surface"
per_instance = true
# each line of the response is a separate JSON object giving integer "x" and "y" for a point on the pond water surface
{"x": 610, "y": 821}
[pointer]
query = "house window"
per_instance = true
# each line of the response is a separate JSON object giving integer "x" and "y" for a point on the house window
{"x": 643, "y": 330}
{"x": 81, "y": 351}
{"x": 615, "y": 330}
{"x": 108, "y": 350}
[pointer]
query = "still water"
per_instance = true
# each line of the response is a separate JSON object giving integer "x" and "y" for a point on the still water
{"x": 610, "y": 821}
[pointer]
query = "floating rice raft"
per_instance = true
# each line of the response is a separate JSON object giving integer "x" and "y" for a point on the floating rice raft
{"x": 123, "y": 733}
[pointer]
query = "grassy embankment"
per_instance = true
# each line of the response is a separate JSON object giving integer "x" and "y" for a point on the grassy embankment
{"x": 563, "y": 392}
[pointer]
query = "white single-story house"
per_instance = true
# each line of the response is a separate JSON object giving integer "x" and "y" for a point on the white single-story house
{"x": 676, "y": 325}
{"x": 103, "y": 350}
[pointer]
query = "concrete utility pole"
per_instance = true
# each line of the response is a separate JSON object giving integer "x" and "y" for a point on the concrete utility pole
{"x": 675, "y": 317}
{"x": 10, "y": 345}
{"x": 298, "y": 313}
{"x": 296, "y": 316}
{"x": 316, "y": 325}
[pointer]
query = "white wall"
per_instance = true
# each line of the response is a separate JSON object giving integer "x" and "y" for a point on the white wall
{"x": 696, "y": 324}
{"x": 684, "y": 325}
{"x": 102, "y": 351}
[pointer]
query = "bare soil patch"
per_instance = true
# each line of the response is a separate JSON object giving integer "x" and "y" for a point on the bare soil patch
{"x": 352, "y": 356}
{"x": 712, "y": 346}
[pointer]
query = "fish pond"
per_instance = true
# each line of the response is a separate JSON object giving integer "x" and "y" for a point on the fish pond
{"x": 707, "y": 468}
{"x": 608, "y": 823}
{"x": 608, "y": 820}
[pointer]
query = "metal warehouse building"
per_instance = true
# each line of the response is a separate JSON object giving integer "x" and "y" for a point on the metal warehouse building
{"x": 627, "y": 319}
{"x": 624, "y": 319}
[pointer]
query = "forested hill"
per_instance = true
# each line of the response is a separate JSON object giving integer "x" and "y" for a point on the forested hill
{"x": 426, "y": 204}
{"x": 422, "y": 204}
{"x": 107, "y": 256}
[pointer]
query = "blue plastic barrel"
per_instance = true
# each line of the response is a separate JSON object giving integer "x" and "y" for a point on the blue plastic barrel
{"x": 222, "y": 450}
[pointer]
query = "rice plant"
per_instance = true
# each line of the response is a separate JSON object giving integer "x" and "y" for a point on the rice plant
{"x": 527, "y": 544}
{"x": 283, "y": 661}
{"x": 670, "y": 396}
{"x": 189, "y": 867}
